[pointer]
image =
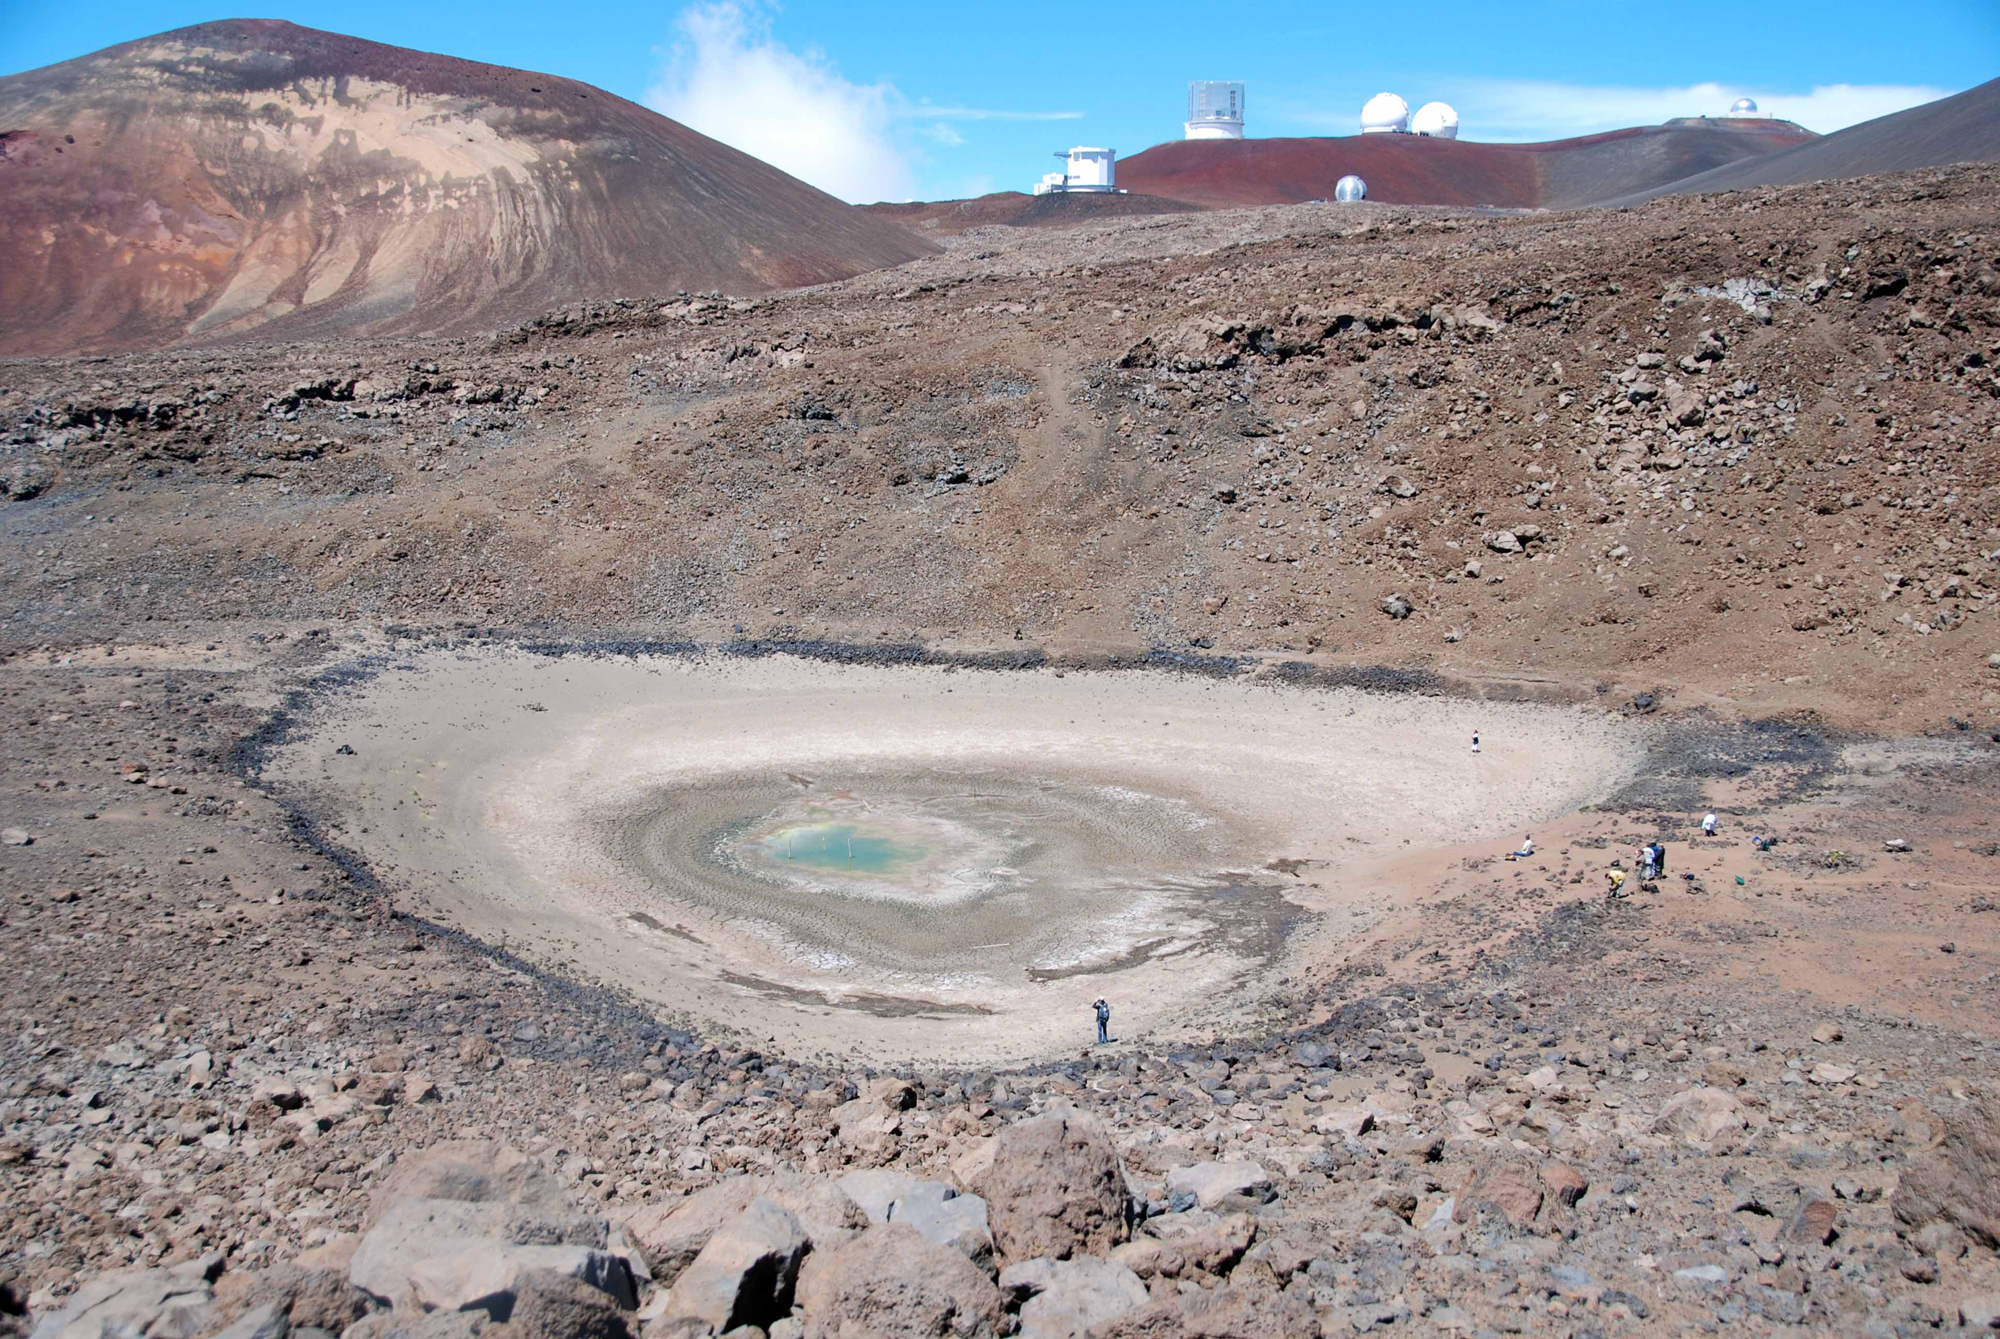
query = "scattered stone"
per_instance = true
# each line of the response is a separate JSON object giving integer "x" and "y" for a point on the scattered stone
{"x": 1701, "y": 1115}
{"x": 1502, "y": 1186}
{"x": 1223, "y": 1186}
{"x": 1980, "y": 1312}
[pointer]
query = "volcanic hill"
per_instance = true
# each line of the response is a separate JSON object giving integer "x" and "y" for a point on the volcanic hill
{"x": 1963, "y": 128}
{"x": 1419, "y": 170}
{"x": 255, "y": 175}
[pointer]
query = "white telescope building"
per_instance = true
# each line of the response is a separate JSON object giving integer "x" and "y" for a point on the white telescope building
{"x": 1385, "y": 114}
{"x": 1215, "y": 110}
{"x": 1087, "y": 169}
{"x": 1435, "y": 119}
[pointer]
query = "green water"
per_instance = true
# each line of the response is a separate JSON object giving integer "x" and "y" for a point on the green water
{"x": 839, "y": 846}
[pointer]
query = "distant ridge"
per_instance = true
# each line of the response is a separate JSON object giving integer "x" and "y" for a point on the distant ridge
{"x": 253, "y": 175}
{"x": 1963, "y": 128}
{"x": 1418, "y": 170}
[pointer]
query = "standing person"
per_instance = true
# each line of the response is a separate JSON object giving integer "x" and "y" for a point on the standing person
{"x": 1103, "y": 1021}
{"x": 1475, "y": 741}
{"x": 1649, "y": 869}
{"x": 1708, "y": 826}
{"x": 1659, "y": 855}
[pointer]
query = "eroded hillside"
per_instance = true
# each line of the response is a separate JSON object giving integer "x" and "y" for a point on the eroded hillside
{"x": 1737, "y": 446}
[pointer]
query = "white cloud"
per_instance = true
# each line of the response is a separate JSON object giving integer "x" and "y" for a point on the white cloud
{"x": 988, "y": 114}
{"x": 1532, "y": 110}
{"x": 730, "y": 78}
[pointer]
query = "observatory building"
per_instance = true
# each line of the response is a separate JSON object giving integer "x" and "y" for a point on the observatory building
{"x": 1086, "y": 169}
{"x": 1743, "y": 107}
{"x": 1385, "y": 114}
{"x": 1349, "y": 189}
{"x": 1436, "y": 119}
{"x": 1215, "y": 110}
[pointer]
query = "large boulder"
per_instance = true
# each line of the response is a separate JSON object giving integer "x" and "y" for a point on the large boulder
{"x": 671, "y": 1235}
{"x": 1055, "y": 1188}
{"x": 875, "y": 1190}
{"x": 890, "y": 1281}
{"x": 1068, "y": 1299}
{"x": 744, "y": 1275}
{"x": 309, "y": 1298}
{"x": 1959, "y": 1181}
{"x": 415, "y": 1231}
{"x": 959, "y": 1222}
{"x": 548, "y": 1306}
{"x": 487, "y": 1277}
{"x": 173, "y": 1303}
{"x": 475, "y": 1170}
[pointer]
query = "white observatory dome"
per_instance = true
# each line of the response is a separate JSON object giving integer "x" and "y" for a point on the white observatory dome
{"x": 1349, "y": 189}
{"x": 1435, "y": 119}
{"x": 1743, "y": 107}
{"x": 1385, "y": 114}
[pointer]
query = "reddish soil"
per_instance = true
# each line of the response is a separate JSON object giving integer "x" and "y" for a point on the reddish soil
{"x": 252, "y": 174}
{"x": 1013, "y": 209}
{"x": 1413, "y": 169}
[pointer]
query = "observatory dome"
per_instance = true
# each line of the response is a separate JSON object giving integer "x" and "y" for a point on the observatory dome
{"x": 1743, "y": 107}
{"x": 1385, "y": 113}
{"x": 1436, "y": 119}
{"x": 1350, "y": 188}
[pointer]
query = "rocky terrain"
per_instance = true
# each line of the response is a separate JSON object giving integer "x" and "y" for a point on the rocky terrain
{"x": 1725, "y": 460}
{"x": 255, "y": 175}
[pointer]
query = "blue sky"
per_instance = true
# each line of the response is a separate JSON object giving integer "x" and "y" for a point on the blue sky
{"x": 895, "y": 100}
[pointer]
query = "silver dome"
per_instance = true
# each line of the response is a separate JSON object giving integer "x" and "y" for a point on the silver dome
{"x": 1350, "y": 188}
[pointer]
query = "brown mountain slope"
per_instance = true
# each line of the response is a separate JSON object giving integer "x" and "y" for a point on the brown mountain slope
{"x": 1015, "y": 209}
{"x": 1416, "y": 170}
{"x": 255, "y": 175}
{"x": 1963, "y": 128}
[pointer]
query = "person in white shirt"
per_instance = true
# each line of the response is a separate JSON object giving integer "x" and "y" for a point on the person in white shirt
{"x": 1708, "y": 826}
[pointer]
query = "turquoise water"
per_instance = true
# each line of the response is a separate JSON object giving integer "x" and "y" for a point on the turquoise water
{"x": 839, "y": 847}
